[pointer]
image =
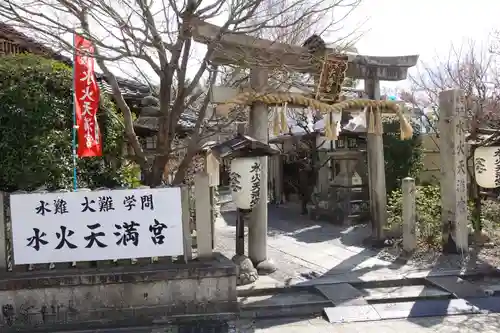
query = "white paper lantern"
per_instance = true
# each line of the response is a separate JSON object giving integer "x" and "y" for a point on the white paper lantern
{"x": 245, "y": 181}
{"x": 487, "y": 166}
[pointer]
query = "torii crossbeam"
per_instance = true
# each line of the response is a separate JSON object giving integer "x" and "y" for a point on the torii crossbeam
{"x": 247, "y": 51}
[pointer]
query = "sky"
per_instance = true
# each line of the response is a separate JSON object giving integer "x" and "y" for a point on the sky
{"x": 407, "y": 27}
{"x": 423, "y": 27}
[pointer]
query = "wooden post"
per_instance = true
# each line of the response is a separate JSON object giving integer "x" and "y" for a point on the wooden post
{"x": 279, "y": 179}
{"x": 376, "y": 171}
{"x": 240, "y": 232}
{"x": 409, "y": 215}
{"x": 186, "y": 225}
{"x": 240, "y": 221}
{"x": 3, "y": 235}
{"x": 276, "y": 172}
{"x": 203, "y": 215}
{"x": 257, "y": 232}
{"x": 452, "y": 145}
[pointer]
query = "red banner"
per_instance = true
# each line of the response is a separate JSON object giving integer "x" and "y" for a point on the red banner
{"x": 86, "y": 99}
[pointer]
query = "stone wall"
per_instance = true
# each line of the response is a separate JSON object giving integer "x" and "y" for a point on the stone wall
{"x": 118, "y": 296}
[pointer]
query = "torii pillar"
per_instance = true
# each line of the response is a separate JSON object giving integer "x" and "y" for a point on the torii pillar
{"x": 257, "y": 228}
{"x": 248, "y": 51}
{"x": 376, "y": 171}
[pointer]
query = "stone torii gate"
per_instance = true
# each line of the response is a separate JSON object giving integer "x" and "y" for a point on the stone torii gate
{"x": 262, "y": 55}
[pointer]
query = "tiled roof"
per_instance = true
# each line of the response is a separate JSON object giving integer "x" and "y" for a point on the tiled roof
{"x": 31, "y": 45}
{"x": 129, "y": 88}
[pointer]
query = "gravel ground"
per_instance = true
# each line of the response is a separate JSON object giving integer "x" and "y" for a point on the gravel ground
{"x": 480, "y": 255}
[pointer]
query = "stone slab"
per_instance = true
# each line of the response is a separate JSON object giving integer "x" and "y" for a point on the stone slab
{"x": 402, "y": 292}
{"x": 403, "y": 310}
{"x": 386, "y": 274}
{"x": 291, "y": 304}
{"x": 486, "y": 304}
{"x": 284, "y": 299}
{"x": 342, "y": 294}
{"x": 265, "y": 284}
{"x": 425, "y": 308}
{"x": 457, "y": 286}
{"x": 347, "y": 314}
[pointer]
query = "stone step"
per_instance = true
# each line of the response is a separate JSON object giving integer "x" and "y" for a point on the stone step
{"x": 414, "y": 309}
{"x": 376, "y": 279}
{"x": 289, "y": 304}
{"x": 459, "y": 287}
{"x": 342, "y": 302}
{"x": 342, "y": 293}
{"x": 268, "y": 300}
{"x": 403, "y": 292}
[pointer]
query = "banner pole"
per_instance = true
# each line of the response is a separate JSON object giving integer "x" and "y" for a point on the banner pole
{"x": 75, "y": 181}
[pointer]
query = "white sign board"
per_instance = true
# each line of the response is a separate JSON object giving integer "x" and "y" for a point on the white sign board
{"x": 487, "y": 166}
{"x": 98, "y": 225}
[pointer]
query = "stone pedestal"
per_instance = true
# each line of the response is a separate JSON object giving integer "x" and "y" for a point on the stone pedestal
{"x": 126, "y": 296}
{"x": 343, "y": 186}
{"x": 452, "y": 116}
{"x": 247, "y": 273}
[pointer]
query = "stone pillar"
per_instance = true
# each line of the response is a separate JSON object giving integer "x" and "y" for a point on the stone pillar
{"x": 203, "y": 215}
{"x": 257, "y": 228}
{"x": 376, "y": 172}
{"x": 452, "y": 120}
{"x": 343, "y": 180}
{"x": 323, "y": 181}
{"x": 409, "y": 215}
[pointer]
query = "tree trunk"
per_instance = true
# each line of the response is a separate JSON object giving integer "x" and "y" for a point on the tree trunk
{"x": 152, "y": 177}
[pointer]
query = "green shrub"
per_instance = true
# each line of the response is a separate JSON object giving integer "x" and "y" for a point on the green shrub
{"x": 36, "y": 120}
{"x": 403, "y": 158}
{"x": 428, "y": 202}
{"x": 490, "y": 211}
{"x": 428, "y": 205}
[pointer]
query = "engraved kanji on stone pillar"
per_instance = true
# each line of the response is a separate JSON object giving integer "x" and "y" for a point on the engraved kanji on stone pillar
{"x": 452, "y": 116}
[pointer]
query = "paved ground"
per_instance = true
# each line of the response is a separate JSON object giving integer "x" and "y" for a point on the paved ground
{"x": 302, "y": 248}
{"x": 451, "y": 324}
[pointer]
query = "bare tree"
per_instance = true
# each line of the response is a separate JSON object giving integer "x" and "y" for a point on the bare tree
{"x": 473, "y": 70}
{"x": 156, "y": 36}
{"x": 468, "y": 68}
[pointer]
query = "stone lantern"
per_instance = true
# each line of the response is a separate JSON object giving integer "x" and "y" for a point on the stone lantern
{"x": 244, "y": 153}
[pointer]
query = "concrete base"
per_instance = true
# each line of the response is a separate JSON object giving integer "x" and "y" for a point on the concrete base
{"x": 116, "y": 296}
